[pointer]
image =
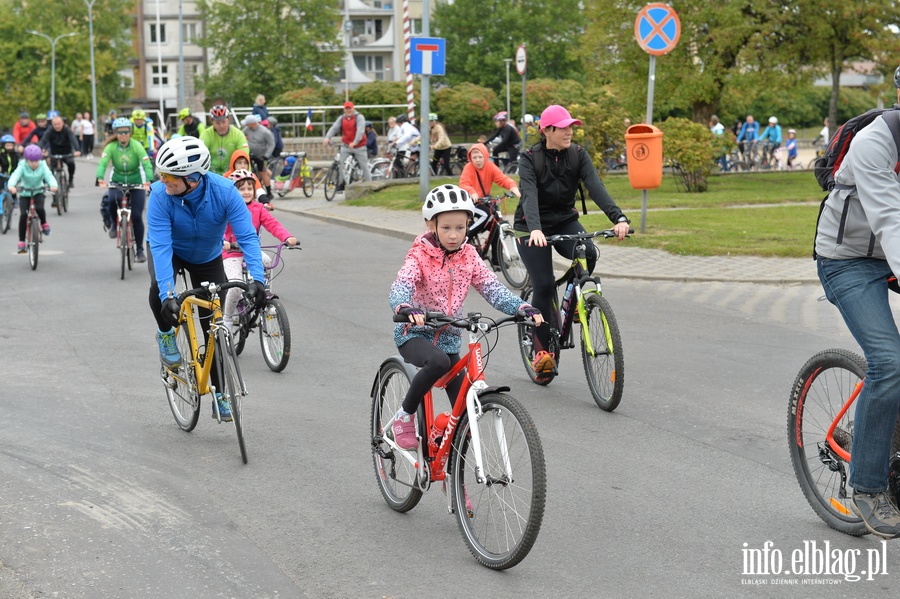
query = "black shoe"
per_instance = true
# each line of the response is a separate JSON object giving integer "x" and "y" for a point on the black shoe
{"x": 53, "y": 204}
{"x": 140, "y": 257}
{"x": 112, "y": 233}
{"x": 878, "y": 513}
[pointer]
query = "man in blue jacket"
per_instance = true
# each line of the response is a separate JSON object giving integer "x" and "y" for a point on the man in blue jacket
{"x": 187, "y": 213}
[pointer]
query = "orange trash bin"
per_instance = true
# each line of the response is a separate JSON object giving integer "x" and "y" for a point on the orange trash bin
{"x": 643, "y": 148}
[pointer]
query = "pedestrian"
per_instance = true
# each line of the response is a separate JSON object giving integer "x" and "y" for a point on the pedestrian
{"x": 260, "y": 109}
{"x": 108, "y": 128}
{"x": 440, "y": 142}
{"x": 77, "y": 126}
{"x": 87, "y": 134}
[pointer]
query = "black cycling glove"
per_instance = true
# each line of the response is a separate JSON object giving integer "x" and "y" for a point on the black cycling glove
{"x": 170, "y": 311}
{"x": 257, "y": 294}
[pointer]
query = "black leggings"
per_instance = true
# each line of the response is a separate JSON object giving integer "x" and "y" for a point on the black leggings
{"x": 539, "y": 263}
{"x": 213, "y": 271}
{"x": 433, "y": 364}
{"x": 442, "y": 157}
{"x": 24, "y": 203}
{"x": 138, "y": 199}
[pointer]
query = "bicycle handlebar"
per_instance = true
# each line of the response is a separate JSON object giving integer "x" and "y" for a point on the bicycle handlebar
{"x": 205, "y": 290}
{"x": 584, "y": 236}
{"x": 126, "y": 186}
{"x": 472, "y": 320}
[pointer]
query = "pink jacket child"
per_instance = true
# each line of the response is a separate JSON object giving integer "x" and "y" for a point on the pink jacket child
{"x": 233, "y": 260}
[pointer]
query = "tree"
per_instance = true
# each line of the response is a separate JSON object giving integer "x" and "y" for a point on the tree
{"x": 853, "y": 30}
{"x": 26, "y": 71}
{"x": 269, "y": 48}
{"x": 481, "y": 33}
{"x": 741, "y": 46}
{"x": 466, "y": 106}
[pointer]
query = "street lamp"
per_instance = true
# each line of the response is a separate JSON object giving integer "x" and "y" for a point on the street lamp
{"x": 90, "y": 7}
{"x": 52, "y": 61}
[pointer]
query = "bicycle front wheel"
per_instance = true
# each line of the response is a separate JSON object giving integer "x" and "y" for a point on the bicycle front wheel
{"x": 181, "y": 388}
{"x": 395, "y": 475}
{"x": 131, "y": 247}
{"x": 275, "y": 335}
{"x": 506, "y": 252}
{"x": 6, "y": 219}
{"x": 232, "y": 385}
{"x": 601, "y": 352}
{"x": 308, "y": 186}
{"x": 331, "y": 182}
{"x": 821, "y": 389}
{"x": 122, "y": 240}
{"x": 34, "y": 242}
{"x": 64, "y": 194}
{"x": 501, "y": 514}
{"x": 527, "y": 347}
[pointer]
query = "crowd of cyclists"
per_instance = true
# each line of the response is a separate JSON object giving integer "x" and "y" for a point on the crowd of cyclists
{"x": 762, "y": 148}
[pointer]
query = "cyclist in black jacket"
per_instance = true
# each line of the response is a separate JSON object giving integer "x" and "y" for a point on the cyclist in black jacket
{"x": 548, "y": 207}
{"x": 60, "y": 139}
{"x": 507, "y": 137}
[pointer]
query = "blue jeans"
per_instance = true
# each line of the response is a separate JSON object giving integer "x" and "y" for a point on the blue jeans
{"x": 859, "y": 289}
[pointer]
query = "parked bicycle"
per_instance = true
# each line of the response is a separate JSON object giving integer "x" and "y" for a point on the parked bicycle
{"x": 8, "y": 203}
{"x": 272, "y": 320}
{"x": 186, "y": 383}
{"x": 496, "y": 241}
{"x": 125, "y": 240}
{"x": 61, "y": 173}
{"x": 300, "y": 175}
{"x": 333, "y": 180}
{"x": 488, "y": 448}
{"x": 601, "y": 342}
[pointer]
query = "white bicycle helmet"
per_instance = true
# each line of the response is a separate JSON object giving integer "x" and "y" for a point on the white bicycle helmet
{"x": 447, "y": 198}
{"x": 183, "y": 156}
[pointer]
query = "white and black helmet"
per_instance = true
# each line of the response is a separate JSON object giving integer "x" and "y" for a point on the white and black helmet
{"x": 183, "y": 156}
{"x": 447, "y": 198}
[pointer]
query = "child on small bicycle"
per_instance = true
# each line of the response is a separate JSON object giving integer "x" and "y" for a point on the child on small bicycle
{"x": 232, "y": 259}
{"x": 478, "y": 178}
{"x": 435, "y": 277}
{"x": 32, "y": 173}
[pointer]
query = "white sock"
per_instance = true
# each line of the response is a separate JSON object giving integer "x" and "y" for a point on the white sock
{"x": 401, "y": 414}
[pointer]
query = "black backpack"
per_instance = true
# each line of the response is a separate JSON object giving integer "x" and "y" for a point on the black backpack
{"x": 828, "y": 164}
{"x": 573, "y": 158}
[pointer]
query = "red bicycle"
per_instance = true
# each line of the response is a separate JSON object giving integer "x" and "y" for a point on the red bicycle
{"x": 488, "y": 448}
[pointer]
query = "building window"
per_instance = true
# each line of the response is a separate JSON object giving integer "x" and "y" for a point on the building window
{"x": 189, "y": 33}
{"x": 160, "y": 80}
{"x": 415, "y": 26}
{"x": 369, "y": 64}
{"x": 158, "y": 39}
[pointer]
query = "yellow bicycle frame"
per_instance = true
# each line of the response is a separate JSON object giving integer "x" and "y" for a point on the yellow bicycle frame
{"x": 186, "y": 318}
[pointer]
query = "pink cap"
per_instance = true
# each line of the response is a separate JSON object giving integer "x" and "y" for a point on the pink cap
{"x": 557, "y": 116}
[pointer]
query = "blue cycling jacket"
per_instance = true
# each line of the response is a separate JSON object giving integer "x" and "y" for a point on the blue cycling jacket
{"x": 193, "y": 227}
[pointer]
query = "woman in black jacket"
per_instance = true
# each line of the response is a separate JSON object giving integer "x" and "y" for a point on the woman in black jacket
{"x": 548, "y": 207}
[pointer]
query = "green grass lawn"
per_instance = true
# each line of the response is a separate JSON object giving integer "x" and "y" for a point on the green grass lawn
{"x": 759, "y": 214}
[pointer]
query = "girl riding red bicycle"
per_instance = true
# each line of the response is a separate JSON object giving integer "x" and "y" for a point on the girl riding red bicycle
{"x": 435, "y": 277}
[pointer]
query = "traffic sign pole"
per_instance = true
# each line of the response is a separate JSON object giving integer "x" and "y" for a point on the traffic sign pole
{"x": 657, "y": 29}
{"x": 521, "y": 63}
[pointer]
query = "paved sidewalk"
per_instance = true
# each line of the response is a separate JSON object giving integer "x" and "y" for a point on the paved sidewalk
{"x": 617, "y": 260}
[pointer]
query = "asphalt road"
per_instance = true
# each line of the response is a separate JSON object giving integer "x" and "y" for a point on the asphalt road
{"x": 101, "y": 495}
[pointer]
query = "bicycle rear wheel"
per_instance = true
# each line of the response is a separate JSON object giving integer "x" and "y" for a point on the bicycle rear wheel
{"x": 502, "y": 514}
{"x": 819, "y": 392}
{"x": 34, "y": 241}
{"x": 181, "y": 387}
{"x": 604, "y": 362}
{"x": 527, "y": 346}
{"x": 232, "y": 385}
{"x": 275, "y": 335}
{"x": 395, "y": 475}
{"x": 8, "y": 207}
{"x": 331, "y": 182}
{"x": 506, "y": 254}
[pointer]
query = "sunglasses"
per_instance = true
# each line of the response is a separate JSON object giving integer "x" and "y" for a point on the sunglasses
{"x": 123, "y": 132}
{"x": 167, "y": 178}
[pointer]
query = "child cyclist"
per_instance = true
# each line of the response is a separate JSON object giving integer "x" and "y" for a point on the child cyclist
{"x": 32, "y": 173}
{"x": 478, "y": 178}
{"x": 232, "y": 258}
{"x": 435, "y": 277}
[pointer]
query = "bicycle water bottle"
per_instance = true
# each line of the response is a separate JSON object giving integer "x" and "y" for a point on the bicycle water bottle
{"x": 567, "y": 297}
{"x": 437, "y": 429}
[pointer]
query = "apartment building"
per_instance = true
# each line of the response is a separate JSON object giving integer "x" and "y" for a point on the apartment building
{"x": 373, "y": 37}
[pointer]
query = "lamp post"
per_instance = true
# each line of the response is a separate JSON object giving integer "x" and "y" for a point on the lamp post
{"x": 90, "y": 7}
{"x": 507, "y": 61}
{"x": 52, "y": 60}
